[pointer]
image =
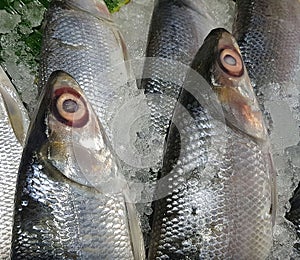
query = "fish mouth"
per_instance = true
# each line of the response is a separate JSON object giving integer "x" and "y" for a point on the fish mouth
{"x": 97, "y": 8}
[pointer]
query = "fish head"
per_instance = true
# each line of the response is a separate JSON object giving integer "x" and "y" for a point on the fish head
{"x": 220, "y": 62}
{"x": 74, "y": 143}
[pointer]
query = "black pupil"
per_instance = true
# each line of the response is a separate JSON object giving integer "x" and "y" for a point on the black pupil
{"x": 70, "y": 106}
{"x": 230, "y": 60}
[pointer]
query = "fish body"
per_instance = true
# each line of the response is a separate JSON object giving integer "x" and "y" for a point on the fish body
{"x": 81, "y": 39}
{"x": 216, "y": 192}
{"x": 177, "y": 29}
{"x": 13, "y": 127}
{"x": 70, "y": 199}
{"x": 176, "y": 32}
{"x": 263, "y": 29}
{"x": 268, "y": 33}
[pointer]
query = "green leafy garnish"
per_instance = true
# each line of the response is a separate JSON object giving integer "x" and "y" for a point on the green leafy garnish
{"x": 115, "y": 5}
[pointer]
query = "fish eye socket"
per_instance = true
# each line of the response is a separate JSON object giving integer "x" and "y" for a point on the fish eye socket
{"x": 231, "y": 62}
{"x": 69, "y": 107}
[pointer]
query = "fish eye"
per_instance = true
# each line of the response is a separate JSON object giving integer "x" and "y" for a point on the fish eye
{"x": 69, "y": 107}
{"x": 231, "y": 62}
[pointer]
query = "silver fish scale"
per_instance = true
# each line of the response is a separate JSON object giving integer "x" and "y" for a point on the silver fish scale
{"x": 250, "y": 186}
{"x": 263, "y": 29}
{"x": 59, "y": 219}
{"x": 90, "y": 50}
{"x": 268, "y": 33}
{"x": 10, "y": 156}
{"x": 176, "y": 32}
{"x": 219, "y": 193}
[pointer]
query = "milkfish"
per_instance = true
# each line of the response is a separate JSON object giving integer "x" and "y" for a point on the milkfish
{"x": 176, "y": 32}
{"x": 70, "y": 196}
{"x": 81, "y": 39}
{"x": 14, "y": 122}
{"x": 216, "y": 194}
{"x": 268, "y": 33}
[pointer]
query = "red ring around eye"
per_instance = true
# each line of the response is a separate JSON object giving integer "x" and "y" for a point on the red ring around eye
{"x": 231, "y": 62}
{"x": 69, "y": 107}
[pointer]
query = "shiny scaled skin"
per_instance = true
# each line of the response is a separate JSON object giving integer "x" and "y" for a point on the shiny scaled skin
{"x": 268, "y": 34}
{"x": 62, "y": 209}
{"x": 177, "y": 30}
{"x": 13, "y": 127}
{"x": 217, "y": 173}
{"x": 58, "y": 219}
{"x": 81, "y": 39}
{"x": 10, "y": 156}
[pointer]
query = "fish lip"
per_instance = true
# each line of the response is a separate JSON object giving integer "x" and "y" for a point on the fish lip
{"x": 96, "y": 8}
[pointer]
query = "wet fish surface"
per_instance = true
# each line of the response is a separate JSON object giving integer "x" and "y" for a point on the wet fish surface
{"x": 70, "y": 199}
{"x": 263, "y": 29}
{"x": 216, "y": 196}
{"x": 268, "y": 33}
{"x": 177, "y": 29}
{"x": 13, "y": 127}
{"x": 176, "y": 32}
{"x": 81, "y": 39}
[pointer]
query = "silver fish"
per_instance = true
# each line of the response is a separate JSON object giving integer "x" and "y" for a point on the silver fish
{"x": 263, "y": 29}
{"x": 81, "y": 39}
{"x": 216, "y": 193}
{"x": 268, "y": 33}
{"x": 71, "y": 197}
{"x": 176, "y": 32}
{"x": 14, "y": 122}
